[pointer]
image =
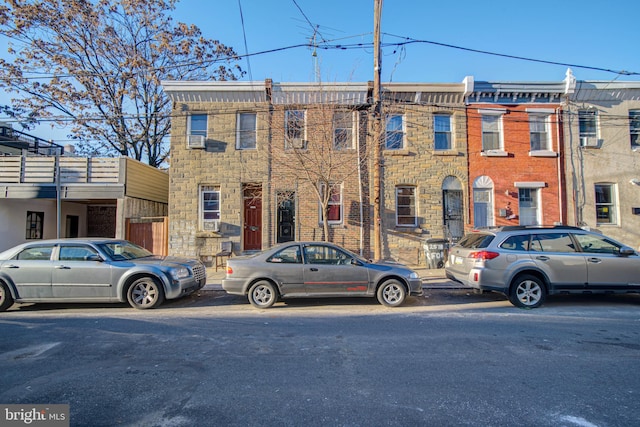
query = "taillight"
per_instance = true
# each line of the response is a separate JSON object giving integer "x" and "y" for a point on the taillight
{"x": 229, "y": 270}
{"x": 483, "y": 255}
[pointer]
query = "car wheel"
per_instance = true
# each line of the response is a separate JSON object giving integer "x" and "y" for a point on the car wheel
{"x": 263, "y": 294}
{"x": 6, "y": 300}
{"x": 392, "y": 293}
{"x": 145, "y": 293}
{"x": 527, "y": 292}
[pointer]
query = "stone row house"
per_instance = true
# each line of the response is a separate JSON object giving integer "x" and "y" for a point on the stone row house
{"x": 258, "y": 163}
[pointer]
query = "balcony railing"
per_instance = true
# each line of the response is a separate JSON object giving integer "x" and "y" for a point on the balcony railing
{"x": 33, "y": 144}
{"x": 42, "y": 169}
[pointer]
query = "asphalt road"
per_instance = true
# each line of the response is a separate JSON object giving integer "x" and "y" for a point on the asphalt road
{"x": 451, "y": 357}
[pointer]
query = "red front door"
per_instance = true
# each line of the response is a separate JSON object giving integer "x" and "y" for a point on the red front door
{"x": 252, "y": 224}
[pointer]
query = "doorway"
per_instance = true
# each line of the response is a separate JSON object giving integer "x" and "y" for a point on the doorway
{"x": 252, "y": 233}
{"x": 286, "y": 216}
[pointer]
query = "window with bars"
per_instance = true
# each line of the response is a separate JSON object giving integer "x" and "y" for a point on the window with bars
{"x": 406, "y": 206}
{"x": 35, "y": 225}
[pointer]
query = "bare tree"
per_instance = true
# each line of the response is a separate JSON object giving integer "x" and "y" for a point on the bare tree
{"x": 315, "y": 145}
{"x": 96, "y": 65}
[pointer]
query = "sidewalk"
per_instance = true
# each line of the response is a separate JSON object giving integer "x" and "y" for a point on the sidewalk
{"x": 431, "y": 279}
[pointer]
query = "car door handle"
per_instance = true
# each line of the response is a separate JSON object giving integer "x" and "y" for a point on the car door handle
{"x": 594, "y": 260}
{"x": 313, "y": 269}
{"x": 11, "y": 266}
{"x": 543, "y": 258}
{"x": 62, "y": 267}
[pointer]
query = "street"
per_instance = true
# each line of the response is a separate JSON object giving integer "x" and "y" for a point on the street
{"x": 452, "y": 357}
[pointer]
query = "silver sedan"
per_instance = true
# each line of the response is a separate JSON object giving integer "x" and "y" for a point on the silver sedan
{"x": 317, "y": 269}
{"x": 94, "y": 270}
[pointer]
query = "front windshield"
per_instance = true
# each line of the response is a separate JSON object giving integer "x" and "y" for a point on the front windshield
{"x": 123, "y": 250}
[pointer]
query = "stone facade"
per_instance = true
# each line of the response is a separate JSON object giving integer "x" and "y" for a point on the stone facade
{"x": 604, "y": 158}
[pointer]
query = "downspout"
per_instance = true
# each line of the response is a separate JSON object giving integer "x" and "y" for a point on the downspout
{"x": 360, "y": 187}
{"x": 559, "y": 165}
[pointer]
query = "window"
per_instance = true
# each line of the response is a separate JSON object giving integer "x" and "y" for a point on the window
{"x": 634, "y": 128}
{"x": 246, "y": 134}
{"x": 552, "y": 242}
{"x": 37, "y": 253}
{"x": 343, "y": 130}
{"x": 288, "y": 255}
{"x": 210, "y": 207}
{"x": 597, "y": 244}
{"x": 442, "y": 131}
{"x": 319, "y": 254}
{"x": 606, "y": 212}
{"x": 587, "y": 124}
{"x": 35, "y": 224}
{"x": 295, "y": 129}
{"x": 491, "y": 132}
{"x": 406, "y": 207}
{"x": 529, "y": 206}
{"x": 394, "y": 132}
{"x": 334, "y": 212}
{"x": 516, "y": 243}
{"x": 75, "y": 253}
{"x": 197, "y": 124}
{"x": 539, "y": 131}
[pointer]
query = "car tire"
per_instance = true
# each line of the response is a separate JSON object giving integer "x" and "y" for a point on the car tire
{"x": 527, "y": 291}
{"x": 391, "y": 293}
{"x": 6, "y": 300}
{"x": 263, "y": 294}
{"x": 145, "y": 293}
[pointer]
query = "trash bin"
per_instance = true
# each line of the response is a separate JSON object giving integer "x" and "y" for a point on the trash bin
{"x": 435, "y": 250}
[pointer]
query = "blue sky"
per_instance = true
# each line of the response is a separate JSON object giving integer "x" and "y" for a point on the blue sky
{"x": 585, "y": 33}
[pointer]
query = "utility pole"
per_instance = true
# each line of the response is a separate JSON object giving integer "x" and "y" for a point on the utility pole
{"x": 377, "y": 135}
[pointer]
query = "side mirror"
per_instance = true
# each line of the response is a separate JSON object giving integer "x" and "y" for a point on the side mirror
{"x": 355, "y": 262}
{"x": 94, "y": 257}
{"x": 627, "y": 251}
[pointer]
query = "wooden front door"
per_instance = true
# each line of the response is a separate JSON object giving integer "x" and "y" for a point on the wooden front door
{"x": 252, "y": 223}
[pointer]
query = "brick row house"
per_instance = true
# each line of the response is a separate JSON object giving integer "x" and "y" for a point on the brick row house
{"x": 257, "y": 163}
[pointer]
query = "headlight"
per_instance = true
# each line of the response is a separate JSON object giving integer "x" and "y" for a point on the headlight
{"x": 414, "y": 275}
{"x": 180, "y": 273}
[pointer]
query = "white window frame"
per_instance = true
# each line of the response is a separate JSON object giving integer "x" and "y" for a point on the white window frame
{"x": 244, "y": 135}
{"x": 413, "y": 206}
{"x": 402, "y": 132}
{"x": 209, "y": 224}
{"x": 191, "y": 131}
{"x": 611, "y": 206}
{"x": 447, "y": 132}
{"x": 584, "y": 116}
{"x": 332, "y": 202}
{"x": 341, "y": 117}
{"x": 290, "y": 117}
{"x": 483, "y": 198}
{"x": 536, "y": 118}
{"x": 498, "y": 115}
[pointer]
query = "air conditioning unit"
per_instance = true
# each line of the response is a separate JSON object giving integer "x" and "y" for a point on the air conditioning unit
{"x": 212, "y": 225}
{"x": 589, "y": 141}
{"x": 298, "y": 143}
{"x": 195, "y": 141}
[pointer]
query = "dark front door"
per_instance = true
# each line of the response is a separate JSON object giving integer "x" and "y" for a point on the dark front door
{"x": 453, "y": 214}
{"x": 286, "y": 217}
{"x": 252, "y": 223}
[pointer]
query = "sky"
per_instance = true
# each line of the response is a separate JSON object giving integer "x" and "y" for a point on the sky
{"x": 589, "y": 35}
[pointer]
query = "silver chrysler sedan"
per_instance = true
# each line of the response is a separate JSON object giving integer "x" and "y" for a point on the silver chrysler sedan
{"x": 317, "y": 269}
{"x": 527, "y": 263}
{"x": 94, "y": 270}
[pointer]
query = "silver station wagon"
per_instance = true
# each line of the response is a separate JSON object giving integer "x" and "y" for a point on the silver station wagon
{"x": 317, "y": 269}
{"x": 94, "y": 270}
{"x": 529, "y": 263}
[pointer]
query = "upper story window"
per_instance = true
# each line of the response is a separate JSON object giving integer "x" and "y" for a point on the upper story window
{"x": 442, "y": 131}
{"x": 246, "y": 132}
{"x": 344, "y": 134}
{"x": 394, "y": 132}
{"x": 539, "y": 132}
{"x": 406, "y": 206}
{"x": 295, "y": 129}
{"x": 197, "y": 125}
{"x": 588, "y": 126}
{"x": 606, "y": 210}
{"x": 210, "y": 207}
{"x": 492, "y": 132}
{"x": 634, "y": 128}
